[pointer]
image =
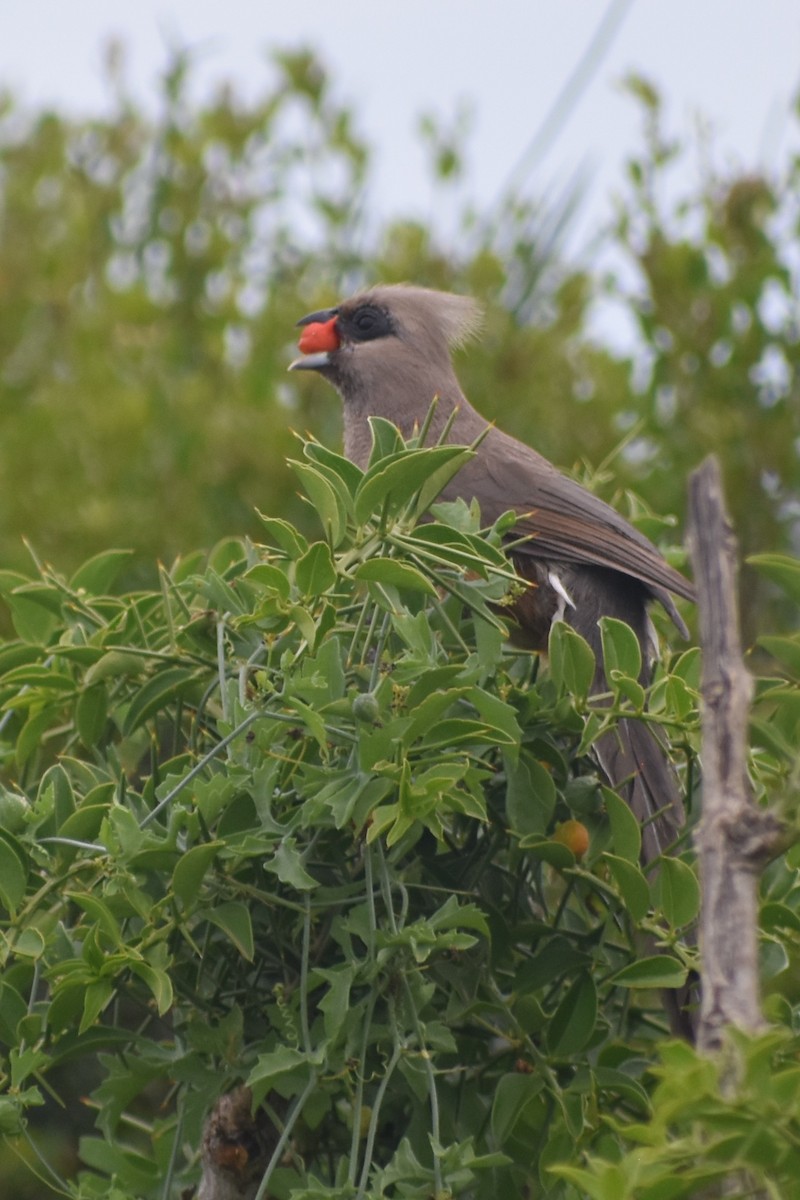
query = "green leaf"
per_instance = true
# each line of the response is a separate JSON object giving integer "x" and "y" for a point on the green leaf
{"x": 572, "y": 664}
{"x": 315, "y": 572}
{"x": 677, "y": 892}
{"x": 305, "y": 623}
{"x": 785, "y": 649}
{"x": 234, "y": 920}
{"x": 438, "y": 478}
{"x": 56, "y": 794}
{"x": 321, "y": 678}
{"x": 114, "y": 664}
{"x": 456, "y": 731}
{"x": 395, "y": 480}
{"x": 287, "y": 864}
{"x": 329, "y": 505}
{"x": 30, "y": 943}
{"x": 633, "y": 887}
{"x": 17, "y": 654}
{"x": 158, "y": 982}
{"x": 335, "y": 1004}
{"x": 513, "y": 1095}
{"x": 99, "y": 911}
{"x": 497, "y": 713}
{"x": 12, "y": 1009}
{"x": 346, "y": 471}
{"x": 621, "y": 649}
{"x": 96, "y": 997}
{"x": 31, "y": 734}
{"x": 138, "y": 1173}
{"x": 98, "y": 573}
{"x": 220, "y": 593}
{"x": 624, "y": 686}
{"x": 546, "y": 850}
{"x": 227, "y": 553}
{"x": 91, "y": 714}
{"x": 36, "y": 676}
{"x": 428, "y": 712}
{"x": 386, "y": 439}
{"x": 442, "y": 544}
{"x": 293, "y": 544}
{"x": 167, "y": 686}
{"x": 13, "y": 875}
{"x": 190, "y": 870}
{"x": 272, "y": 578}
{"x": 626, "y": 834}
{"x": 781, "y": 569}
{"x": 605, "y": 1182}
{"x": 33, "y": 621}
{"x": 453, "y": 915}
{"x": 337, "y": 481}
{"x": 396, "y": 574}
{"x": 530, "y": 797}
{"x": 271, "y": 1067}
{"x": 774, "y": 916}
{"x": 658, "y": 971}
{"x": 311, "y": 719}
{"x": 85, "y": 822}
{"x": 572, "y": 1025}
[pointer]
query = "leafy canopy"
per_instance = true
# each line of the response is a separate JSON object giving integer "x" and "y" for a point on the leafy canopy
{"x": 292, "y": 819}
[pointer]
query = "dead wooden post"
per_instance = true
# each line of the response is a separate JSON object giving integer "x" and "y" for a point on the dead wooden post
{"x": 735, "y": 837}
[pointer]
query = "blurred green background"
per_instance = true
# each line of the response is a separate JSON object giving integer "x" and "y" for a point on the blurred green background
{"x": 152, "y": 270}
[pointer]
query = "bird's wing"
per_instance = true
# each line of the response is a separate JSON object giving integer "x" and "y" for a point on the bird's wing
{"x": 563, "y": 521}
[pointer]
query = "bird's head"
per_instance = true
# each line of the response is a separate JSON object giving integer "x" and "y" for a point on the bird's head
{"x": 387, "y": 328}
{"x": 387, "y": 352}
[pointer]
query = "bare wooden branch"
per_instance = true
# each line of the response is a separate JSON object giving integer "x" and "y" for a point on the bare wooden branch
{"x": 236, "y": 1147}
{"x": 735, "y": 837}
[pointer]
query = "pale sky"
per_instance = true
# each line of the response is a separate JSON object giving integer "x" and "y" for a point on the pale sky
{"x": 737, "y": 62}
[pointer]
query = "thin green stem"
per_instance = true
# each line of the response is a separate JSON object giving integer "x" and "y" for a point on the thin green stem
{"x": 203, "y": 763}
{"x": 376, "y": 665}
{"x": 221, "y": 672}
{"x": 304, "y": 1025}
{"x": 176, "y": 1144}
{"x": 358, "y": 1100}
{"x": 288, "y": 1128}
{"x": 373, "y": 1124}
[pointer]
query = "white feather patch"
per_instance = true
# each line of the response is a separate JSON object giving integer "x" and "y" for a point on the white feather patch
{"x": 564, "y": 599}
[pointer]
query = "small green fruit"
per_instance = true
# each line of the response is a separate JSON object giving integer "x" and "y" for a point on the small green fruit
{"x": 366, "y": 708}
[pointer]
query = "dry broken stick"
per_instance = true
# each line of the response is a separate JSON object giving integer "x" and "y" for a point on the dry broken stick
{"x": 735, "y": 837}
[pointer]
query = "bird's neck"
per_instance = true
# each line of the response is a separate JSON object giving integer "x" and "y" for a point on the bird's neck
{"x": 405, "y": 399}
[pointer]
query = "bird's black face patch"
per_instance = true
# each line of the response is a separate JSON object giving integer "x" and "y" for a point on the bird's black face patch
{"x": 365, "y": 323}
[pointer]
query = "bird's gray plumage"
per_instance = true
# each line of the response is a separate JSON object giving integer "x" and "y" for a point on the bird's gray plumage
{"x": 392, "y": 359}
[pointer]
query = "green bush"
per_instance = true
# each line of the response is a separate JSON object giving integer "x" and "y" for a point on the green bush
{"x": 292, "y": 819}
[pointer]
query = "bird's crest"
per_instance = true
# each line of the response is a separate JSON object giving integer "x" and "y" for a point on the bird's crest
{"x": 458, "y": 317}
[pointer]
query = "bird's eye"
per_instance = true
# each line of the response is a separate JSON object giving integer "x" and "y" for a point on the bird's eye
{"x": 365, "y": 320}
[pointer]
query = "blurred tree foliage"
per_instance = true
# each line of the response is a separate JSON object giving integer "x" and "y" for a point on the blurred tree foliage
{"x": 152, "y": 269}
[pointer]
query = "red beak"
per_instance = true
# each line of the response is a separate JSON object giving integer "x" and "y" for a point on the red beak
{"x": 319, "y": 336}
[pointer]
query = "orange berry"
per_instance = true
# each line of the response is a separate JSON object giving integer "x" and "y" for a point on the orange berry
{"x": 574, "y": 835}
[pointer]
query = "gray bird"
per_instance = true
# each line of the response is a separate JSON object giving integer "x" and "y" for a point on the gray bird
{"x": 387, "y": 352}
